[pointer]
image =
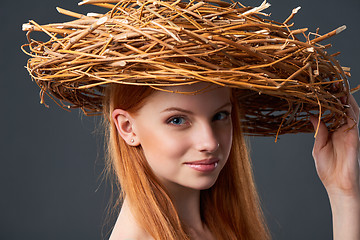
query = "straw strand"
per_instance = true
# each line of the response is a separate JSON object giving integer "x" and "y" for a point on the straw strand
{"x": 279, "y": 80}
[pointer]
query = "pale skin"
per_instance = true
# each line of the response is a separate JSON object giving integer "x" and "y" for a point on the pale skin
{"x": 184, "y": 128}
{"x": 336, "y": 158}
{"x": 201, "y": 132}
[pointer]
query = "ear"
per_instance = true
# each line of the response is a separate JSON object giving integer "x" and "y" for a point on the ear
{"x": 124, "y": 125}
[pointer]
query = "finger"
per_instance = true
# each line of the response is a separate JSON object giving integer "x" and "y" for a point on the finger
{"x": 322, "y": 134}
{"x": 352, "y": 113}
{"x": 354, "y": 107}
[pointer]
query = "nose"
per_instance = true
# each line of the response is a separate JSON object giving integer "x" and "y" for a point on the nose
{"x": 205, "y": 138}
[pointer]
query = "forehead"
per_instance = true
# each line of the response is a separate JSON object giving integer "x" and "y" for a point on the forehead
{"x": 196, "y": 96}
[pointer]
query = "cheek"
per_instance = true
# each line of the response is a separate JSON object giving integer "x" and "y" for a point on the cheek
{"x": 162, "y": 147}
{"x": 225, "y": 138}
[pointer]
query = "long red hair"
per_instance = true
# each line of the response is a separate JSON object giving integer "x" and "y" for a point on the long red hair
{"x": 230, "y": 209}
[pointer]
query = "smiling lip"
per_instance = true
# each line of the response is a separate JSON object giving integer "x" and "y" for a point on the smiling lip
{"x": 206, "y": 165}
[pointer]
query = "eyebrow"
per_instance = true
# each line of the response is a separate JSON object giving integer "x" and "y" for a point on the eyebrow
{"x": 171, "y": 109}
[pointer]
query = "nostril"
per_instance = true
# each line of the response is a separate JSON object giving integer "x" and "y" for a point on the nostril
{"x": 209, "y": 146}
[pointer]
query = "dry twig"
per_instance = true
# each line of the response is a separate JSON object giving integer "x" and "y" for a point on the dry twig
{"x": 279, "y": 80}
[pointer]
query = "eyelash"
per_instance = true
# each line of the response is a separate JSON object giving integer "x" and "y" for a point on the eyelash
{"x": 226, "y": 115}
{"x": 170, "y": 120}
{"x": 183, "y": 118}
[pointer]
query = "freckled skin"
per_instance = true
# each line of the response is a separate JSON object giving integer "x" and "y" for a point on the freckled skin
{"x": 174, "y": 129}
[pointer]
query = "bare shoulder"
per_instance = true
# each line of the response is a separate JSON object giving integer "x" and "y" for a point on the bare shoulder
{"x": 128, "y": 231}
{"x": 125, "y": 234}
{"x": 126, "y": 227}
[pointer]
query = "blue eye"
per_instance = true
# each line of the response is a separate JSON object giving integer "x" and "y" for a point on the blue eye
{"x": 221, "y": 116}
{"x": 177, "y": 120}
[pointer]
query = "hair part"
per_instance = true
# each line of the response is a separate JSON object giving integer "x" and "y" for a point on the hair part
{"x": 230, "y": 208}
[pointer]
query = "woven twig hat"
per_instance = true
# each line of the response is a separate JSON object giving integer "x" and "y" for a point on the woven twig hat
{"x": 280, "y": 80}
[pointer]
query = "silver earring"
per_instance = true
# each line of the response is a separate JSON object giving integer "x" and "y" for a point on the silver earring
{"x": 132, "y": 140}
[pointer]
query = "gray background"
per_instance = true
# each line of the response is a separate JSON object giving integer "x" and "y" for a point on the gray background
{"x": 51, "y": 160}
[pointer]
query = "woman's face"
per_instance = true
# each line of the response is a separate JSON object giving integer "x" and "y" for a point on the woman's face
{"x": 186, "y": 139}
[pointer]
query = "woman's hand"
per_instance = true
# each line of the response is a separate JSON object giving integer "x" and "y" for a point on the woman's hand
{"x": 336, "y": 158}
{"x": 337, "y": 154}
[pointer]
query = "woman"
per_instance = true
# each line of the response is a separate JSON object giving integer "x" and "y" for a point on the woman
{"x": 164, "y": 137}
{"x": 178, "y": 154}
{"x": 157, "y": 141}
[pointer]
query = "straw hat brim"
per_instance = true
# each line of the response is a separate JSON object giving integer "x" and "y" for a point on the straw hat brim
{"x": 280, "y": 80}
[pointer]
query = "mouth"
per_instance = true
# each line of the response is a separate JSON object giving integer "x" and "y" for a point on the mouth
{"x": 206, "y": 165}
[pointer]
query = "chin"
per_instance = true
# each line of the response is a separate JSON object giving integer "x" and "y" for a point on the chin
{"x": 204, "y": 184}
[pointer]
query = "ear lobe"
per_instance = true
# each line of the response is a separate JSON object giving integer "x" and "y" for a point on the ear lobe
{"x": 124, "y": 126}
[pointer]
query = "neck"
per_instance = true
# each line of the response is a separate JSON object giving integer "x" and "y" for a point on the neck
{"x": 187, "y": 203}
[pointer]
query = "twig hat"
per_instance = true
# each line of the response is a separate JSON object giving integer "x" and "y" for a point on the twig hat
{"x": 279, "y": 80}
